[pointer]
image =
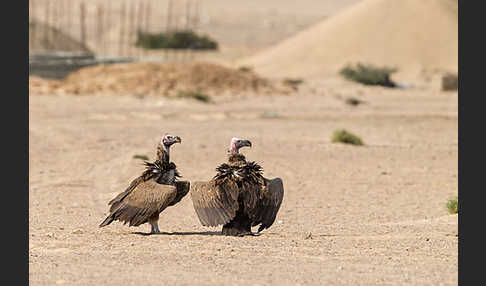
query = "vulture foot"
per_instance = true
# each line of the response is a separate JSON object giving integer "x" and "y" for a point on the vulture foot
{"x": 237, "y": 228}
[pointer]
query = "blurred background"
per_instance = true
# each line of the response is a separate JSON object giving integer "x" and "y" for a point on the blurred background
{"x": 308, "y": 39}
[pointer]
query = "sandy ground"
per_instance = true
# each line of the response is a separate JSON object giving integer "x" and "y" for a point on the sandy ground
{"x": 371, "y": 215}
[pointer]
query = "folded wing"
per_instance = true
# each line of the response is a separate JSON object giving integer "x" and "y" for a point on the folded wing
{"x": 141, "y": 200}
{"x": 182, "y": 188}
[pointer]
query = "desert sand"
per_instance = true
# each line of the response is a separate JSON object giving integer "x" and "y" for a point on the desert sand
{"x": 351, "y": 215}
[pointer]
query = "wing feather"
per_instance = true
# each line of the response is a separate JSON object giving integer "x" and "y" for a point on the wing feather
{"x": 140, "y": 202}
{"x": 215, "y": 202}
{"x": 182, "y": 188}
{"x": 272, "y": 197}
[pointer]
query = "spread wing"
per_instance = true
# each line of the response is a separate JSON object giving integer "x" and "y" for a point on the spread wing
{"x": 141, "y": 200}
{"x": 272, "y": 196}
{"x": 215, "y": 202}
{"x": 182, "y": 188}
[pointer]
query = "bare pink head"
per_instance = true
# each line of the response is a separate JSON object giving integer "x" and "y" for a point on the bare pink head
{"x": 167, "y": 140}
{"x": 237, "y": 143}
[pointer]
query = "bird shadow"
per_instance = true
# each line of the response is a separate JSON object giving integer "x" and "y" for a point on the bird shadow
{"x": 207, "y": 233}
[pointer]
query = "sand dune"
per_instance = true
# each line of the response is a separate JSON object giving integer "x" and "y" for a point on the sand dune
{"x": 413, "y": 35}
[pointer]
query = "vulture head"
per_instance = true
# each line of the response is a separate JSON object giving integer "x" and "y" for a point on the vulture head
{"x": 167, "y": 140}
{"x": 237, "y": 143}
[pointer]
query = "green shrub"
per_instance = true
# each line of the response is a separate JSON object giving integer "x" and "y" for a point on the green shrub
{"x": 346, "y": 137}
{"x": 369, "y": 75}
{"x": 452, "y": 205}
{"x": 193, "y": 94}
{"x": 185, "y": 39}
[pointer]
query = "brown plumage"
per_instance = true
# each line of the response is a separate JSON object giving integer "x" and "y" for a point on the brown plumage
{"x": 238, "y": 197}
{"x": 152, "y": 192}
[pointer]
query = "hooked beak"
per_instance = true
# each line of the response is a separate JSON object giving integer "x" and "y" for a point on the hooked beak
{"x": 177, "y": 139}
{"x": 246, "y": 143}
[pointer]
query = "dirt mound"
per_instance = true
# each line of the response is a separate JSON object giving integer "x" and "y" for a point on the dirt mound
{"x": 155, "y": 79}
{"x": 46, "y": 38}
{"x": 413, "y": 35}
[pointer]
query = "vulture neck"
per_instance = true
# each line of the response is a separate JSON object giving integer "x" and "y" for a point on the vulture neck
{"x": 163, "y": 153}
{"x": 236, "y": 159}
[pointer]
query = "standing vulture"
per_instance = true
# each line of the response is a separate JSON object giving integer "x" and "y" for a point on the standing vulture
{"x": 148, "y": 195}
{"x": 238, "y": 197}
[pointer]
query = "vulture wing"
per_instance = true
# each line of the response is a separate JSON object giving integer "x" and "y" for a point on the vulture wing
{"x": 182, "y": 188}
{"x": 215, "y": 202}
{"x": 272, "y": 196}
{"x": 140, "y": 201}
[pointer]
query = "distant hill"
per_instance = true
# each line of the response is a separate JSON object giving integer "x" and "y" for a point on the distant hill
{"x": 413, "y": 35}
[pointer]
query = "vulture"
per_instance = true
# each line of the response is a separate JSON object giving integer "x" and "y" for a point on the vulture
{"x": 152, "y": 192}
{"x": 238, "y": 196}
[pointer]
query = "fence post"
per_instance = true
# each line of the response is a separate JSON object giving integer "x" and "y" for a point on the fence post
{"x": 99, "y": 31}
{"x": 82, "y": 21}
{"x": 147, "y": 27}
{"x": 107, "y": 24}
{"x": 31, "y": 31}
{"x": 139, "y": 25}
{"x": 122, "y": 29}
{"x": 45, "y": 42}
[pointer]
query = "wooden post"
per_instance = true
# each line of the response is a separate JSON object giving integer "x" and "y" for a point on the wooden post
{"x": 188, "y": 14}
{"x": 131, "y": 28}
{"x": 69, "y": 15}
{"x": 141, "y": 10}
{"x": 45, "y": 42}
{"x": 82, "y": 22}
{"x": 195, "y": 20}
{"x": 107, "y": 24}
{"x": 148, "y": 12}
{"x": 99, "y": 31}
{"x": 168, "y": 26}
{"x": 54, "y": 20}
{"x": 31, "y": 8}
{"x": 147, "y": 26}
{"x": 122, "y": 29}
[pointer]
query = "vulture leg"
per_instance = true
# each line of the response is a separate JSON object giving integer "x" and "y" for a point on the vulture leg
{"x": 240, "y": 225}
{"x": 154, "y": 222}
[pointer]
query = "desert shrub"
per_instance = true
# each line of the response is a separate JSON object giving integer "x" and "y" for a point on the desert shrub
{"x": 194, "y": 95}
{"x": 245, "y": 69}
{"x": 185, "y": 39}
{"x": 343, "y": 136}
{"x": 450, "y": 82}
{"x": 353, "y": 101}
{"x": 270, "y": 114}
{"x": 452, "y": 205}
{"x": 141, "y": 157}
{"x": 293, "y": 81}
{"x": 369, "y": 74}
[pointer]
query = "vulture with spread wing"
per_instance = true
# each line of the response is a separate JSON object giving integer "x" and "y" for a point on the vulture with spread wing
{"x": 238, "y": 197}
{"x": 148, "y": 195}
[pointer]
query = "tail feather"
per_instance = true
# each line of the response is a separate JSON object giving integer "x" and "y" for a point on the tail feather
{"x": 107, "y": 221}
